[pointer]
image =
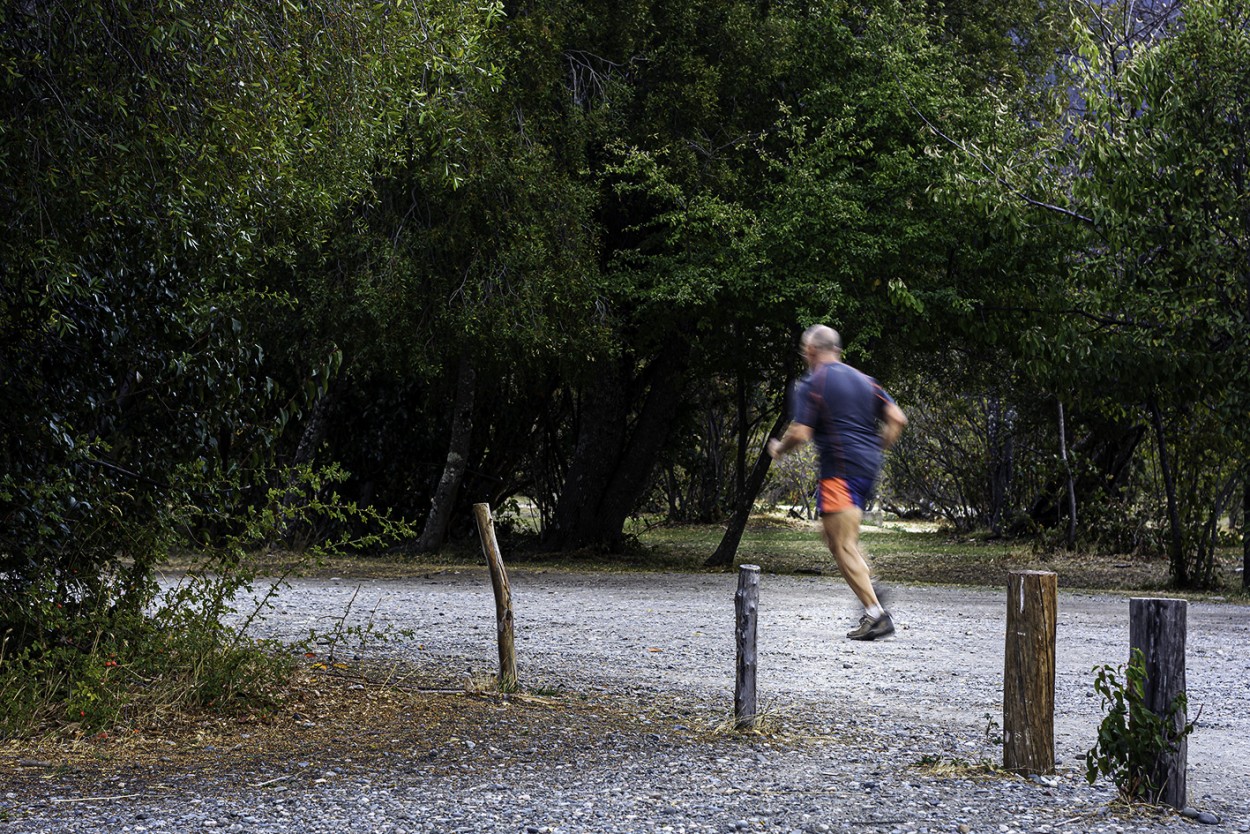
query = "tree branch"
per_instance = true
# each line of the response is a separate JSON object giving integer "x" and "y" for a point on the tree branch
{"x": 984, "y": 166}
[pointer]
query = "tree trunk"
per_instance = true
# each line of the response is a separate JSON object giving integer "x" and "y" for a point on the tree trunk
{"x": 1245, "y": 533}
{"x": 439, "y": 520}
{"x": 1176, "y": 546}
{"x": 708, "y": 488}
{"x": 1109, "y": 449}
{"x": 998, "y": 445}
{"x": 613, "y": 460}
{"x": 744, "y": 437}
{"x": 728, "y": 547}
{"x": 600, "y": 438}
{"x": 1070, "y": 538}
{"x": 651, "y": 431}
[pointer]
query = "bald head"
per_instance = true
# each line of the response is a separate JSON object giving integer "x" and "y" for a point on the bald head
{"x": 822, "y": 339}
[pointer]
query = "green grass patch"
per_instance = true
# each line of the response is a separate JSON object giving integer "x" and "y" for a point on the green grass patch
{"x": 901, "y": 552}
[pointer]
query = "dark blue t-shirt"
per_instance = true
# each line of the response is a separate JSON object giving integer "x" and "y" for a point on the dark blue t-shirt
{"x": 843, "y": 407}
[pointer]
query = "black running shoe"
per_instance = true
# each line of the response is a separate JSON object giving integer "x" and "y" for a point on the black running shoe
{"x": 870, "y": 629}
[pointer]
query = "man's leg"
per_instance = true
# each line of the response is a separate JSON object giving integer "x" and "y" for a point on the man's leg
{"x": 842, "y": 537}
{"x": 842, "y": 534}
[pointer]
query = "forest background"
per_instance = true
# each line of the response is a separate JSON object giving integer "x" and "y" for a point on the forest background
{"x": 317, "y": 277}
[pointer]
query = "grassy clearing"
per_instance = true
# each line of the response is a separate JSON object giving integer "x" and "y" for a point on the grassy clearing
{"x": 899, "y": 552}
{"x": 924, "y": 554}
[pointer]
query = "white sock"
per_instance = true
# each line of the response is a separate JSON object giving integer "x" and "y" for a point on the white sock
{"x": 875, "y": 611}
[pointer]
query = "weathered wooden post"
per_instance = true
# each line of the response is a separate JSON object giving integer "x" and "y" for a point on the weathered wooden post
{"x": 503, "y": 596}
{"x": 746, "y": 604}
{"x": 1158, "y": 628}
{"x": 1029, "y": 673}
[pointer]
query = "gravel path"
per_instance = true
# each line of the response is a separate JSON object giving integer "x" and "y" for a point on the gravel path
{"x": 852, "y": 720}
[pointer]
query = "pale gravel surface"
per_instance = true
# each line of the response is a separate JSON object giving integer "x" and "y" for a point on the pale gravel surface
{"x": 858, "y": 716}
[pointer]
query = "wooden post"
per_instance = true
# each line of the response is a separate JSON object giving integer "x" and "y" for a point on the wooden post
{"x": 503, "y": 596}
{"x": 1029, "y": 673}
{"x": 1157, "y": 627}
{"x": 746, "y": 604}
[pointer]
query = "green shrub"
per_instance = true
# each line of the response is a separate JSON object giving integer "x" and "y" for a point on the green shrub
{"x": 130, "y": 653}
{"x": 1131, "y": 737}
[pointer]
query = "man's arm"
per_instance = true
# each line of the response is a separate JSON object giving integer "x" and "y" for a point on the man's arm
{"x": 796, "y": 435}
{"x": 893, "y": 421}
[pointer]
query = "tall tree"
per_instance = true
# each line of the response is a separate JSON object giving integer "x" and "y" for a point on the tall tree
{"x": 155, "y": 159}
{"x": 1164, "y": 279}
{"x": 684, "y": 93}
{"x": 1144, "y": 167}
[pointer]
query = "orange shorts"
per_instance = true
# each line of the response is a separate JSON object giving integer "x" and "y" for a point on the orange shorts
{"x": 835, "y": 495}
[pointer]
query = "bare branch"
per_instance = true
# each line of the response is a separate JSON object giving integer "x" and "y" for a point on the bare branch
{"x": 985, "y": 166}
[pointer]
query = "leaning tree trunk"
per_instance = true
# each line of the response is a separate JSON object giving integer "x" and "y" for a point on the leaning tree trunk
{"x": 728, "y": 547}
{"x": 296, "y": 531}
{"x": 1176, "y": 548}
{"x": 439, "y": 520}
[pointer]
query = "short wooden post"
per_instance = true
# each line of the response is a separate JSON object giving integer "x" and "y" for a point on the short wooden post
{"x": 1158, "y": 628}
{"x": 746, "y": 604}
{"x": 503, "y": 596}
{"x": 1029, "y": 673}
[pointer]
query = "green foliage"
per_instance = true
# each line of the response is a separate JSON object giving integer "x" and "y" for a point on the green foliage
{"x": 1131, "y": 738}
{"x": 791, "y": 482}
{"x": 144, "y": 650}
{"x": 157, "y": 160}
{"x": 1161, "y": 172}
{"x": 976, "y": 459}
{"x": 1123, "y": 191}
{"x": 128, "y": 670}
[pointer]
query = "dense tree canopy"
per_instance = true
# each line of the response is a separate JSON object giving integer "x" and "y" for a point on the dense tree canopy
{"x": 157, "y": 161}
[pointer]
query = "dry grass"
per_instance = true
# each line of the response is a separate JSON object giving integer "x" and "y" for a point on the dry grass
{"x": 331, "y": 723}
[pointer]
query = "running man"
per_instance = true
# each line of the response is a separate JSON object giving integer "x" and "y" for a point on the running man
{"x": 853, "y": 421}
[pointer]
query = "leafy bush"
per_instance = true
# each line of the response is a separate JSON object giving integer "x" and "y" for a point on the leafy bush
{"x": 130, "y": 652}
{"x": 1132, "y": 738}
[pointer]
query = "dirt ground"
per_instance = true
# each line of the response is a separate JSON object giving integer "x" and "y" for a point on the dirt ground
{"x": 651, "y": 636}
{"x": 636, "y": 651}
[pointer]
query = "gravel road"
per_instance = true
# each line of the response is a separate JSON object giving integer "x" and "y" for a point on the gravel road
{"x": 852, "y": 721}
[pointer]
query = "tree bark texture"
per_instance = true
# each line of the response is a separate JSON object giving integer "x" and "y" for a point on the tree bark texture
{"x": 434, "y": 533}
{"x": 614, "y": 456}
{"x": 1176, "y": 542}
{"x": 1029, "y": 673}
{"x": 504, "y": 623}
{"x": 1108, "y": 450}
{"x": 1157, "y": 627}
{"x": 746, "y": 608}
